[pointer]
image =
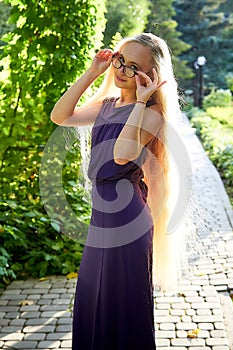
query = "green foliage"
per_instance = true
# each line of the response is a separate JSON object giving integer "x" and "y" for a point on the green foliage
{"x": 33, "y": 246}
{"x": 229, "y": 81}
{"x": 51, "y": 44}
{"x": 126, "y": 17}
{"x": 161, "y": 22}
{"x": 207, "y": 27}
{"x": 223, "y": 161}
{"x": 6, "y": 273}
{"x": 222, "y": 114}
{"x": 4, "y": 15}
{"x": 217, "y": 98}
{"x": 49, "y": 47}
{"x": 115, "y": 40}
{"x": 33, "y": 241}
{"x": 216, "y": 137}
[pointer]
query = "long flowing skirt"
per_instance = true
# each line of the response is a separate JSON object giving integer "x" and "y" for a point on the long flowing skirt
{"x": 113, "y": 307}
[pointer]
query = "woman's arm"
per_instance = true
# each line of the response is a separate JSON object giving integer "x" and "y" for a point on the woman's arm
{"x": 142, "y": 125}
{"x": 65, "y": 111}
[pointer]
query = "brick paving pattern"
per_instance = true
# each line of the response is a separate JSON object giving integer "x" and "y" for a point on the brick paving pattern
{"x": 38, "y": 315}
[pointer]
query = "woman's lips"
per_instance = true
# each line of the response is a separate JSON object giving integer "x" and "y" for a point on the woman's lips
{"x": 119, "y": 78}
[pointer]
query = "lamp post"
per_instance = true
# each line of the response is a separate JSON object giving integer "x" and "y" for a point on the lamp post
{"x": 198, "y": 65}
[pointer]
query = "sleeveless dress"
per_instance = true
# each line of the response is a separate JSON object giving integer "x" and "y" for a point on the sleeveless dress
{"x": 113, "y": 307}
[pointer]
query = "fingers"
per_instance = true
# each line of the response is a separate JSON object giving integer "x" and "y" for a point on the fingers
{"x": 138, "y": 81}
{"x": 145, "y": 76}
{"x": 156, "y": 79}
{"x": 104, "y": 54}
{"x": 155, "y": 75}
{"x": 142, "y": 79}
{"x": 162, "y": 83}
{"x": 115, "y": 54}
{"x": 149, "y": 81}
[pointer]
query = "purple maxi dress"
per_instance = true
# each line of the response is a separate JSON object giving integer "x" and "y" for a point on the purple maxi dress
{"x": 113, "y": 308}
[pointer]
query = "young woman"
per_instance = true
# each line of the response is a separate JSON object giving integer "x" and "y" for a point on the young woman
{"x": 113, "y": 307}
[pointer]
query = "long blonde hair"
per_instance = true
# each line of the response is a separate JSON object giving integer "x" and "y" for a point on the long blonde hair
{"x": 156, "y": 168}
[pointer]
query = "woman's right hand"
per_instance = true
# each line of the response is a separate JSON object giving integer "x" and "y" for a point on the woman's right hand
{"x": 101, "y": 61}
{"x": 65, "y": 110}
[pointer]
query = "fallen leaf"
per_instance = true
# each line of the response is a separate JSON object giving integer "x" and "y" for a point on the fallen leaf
{"x": 181, "y": 295}
{"x": 193, "y": 333}
{"x": 42, "y": 279}
{"x": 72, "y": 275}
{"x": 26, "y": 302}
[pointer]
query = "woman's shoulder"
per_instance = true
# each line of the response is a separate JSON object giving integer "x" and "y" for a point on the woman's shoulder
{"x": 156, "y": 107}
{"x": 106, "y": 109}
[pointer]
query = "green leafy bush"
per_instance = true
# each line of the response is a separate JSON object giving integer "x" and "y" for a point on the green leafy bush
{"x": 48, "y": 48}
{"x": 222, "y": 114}
{"x": 216, "y": 136}
{"x": 229, "y": 81}
{"x": 6, "y": 272}
{"x": 32, "y": 242}
{"x": 223, "y": 159}
{"x": 218, "y": 98}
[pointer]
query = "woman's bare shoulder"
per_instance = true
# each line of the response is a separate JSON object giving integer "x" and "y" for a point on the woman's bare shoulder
{"x": 156, "y": 108}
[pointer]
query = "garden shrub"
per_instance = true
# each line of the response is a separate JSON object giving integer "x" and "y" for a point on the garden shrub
{"x": 229, "y": 81}
{"x": 48, "y": 48}
{"x": 216, "y": 136}
{"x": 6, "y": 272}
{"x": 222, "y": 114}
{"x": 217, "y": 98}
{"x": 32, "y": 243}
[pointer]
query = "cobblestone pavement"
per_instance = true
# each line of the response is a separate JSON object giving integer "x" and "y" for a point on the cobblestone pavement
{"x": 203, "y": 305}
{"x": 38, "y": 315}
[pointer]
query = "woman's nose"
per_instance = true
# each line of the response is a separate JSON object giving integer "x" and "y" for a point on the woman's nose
{"x": 122, "y": 69}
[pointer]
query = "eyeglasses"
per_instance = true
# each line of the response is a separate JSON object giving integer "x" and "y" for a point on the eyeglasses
{"x": 129, "y": 72}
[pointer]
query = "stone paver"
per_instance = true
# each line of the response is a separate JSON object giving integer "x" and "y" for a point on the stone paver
{"x": 32, "y": 324}
{"x": 203, "y": 301}
{"x": 197, "y": 317}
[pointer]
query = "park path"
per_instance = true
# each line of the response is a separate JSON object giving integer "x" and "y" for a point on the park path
{"x": 38, "y": 315}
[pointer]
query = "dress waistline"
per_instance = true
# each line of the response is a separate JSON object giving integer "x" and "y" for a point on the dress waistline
{"x": 139, "y": 182}
{"x": 106, "y": 181}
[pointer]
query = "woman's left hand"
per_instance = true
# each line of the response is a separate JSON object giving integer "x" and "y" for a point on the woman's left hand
{"x": 148, "y": 87}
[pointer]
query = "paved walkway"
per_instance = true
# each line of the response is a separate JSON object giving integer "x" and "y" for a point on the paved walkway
{"x": 38, "y": 315}
{"x": 203, "y": 306}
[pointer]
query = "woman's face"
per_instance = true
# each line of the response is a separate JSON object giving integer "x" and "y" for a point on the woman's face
{"x": 136, "y": 56}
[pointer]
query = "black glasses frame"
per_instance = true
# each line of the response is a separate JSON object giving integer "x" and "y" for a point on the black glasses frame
{"x": 125, "y": 67}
